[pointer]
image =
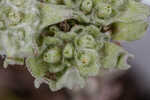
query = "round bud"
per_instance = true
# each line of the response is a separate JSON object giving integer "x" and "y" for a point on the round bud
{"x": 84, "y": 58}
{"x": 68, "y": 51}
{"x": 52, "y": 56}
{"x": 103, "y": 10}
{"x": 86, "y": 41}
{"x": 14, "y": 17}
{"x": 86, "y": 6}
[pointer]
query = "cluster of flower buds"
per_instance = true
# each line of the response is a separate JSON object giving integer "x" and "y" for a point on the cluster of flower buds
{"x": 63, "y": 42}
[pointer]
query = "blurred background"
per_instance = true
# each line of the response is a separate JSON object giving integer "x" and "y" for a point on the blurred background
{"x": 16, "y": 83}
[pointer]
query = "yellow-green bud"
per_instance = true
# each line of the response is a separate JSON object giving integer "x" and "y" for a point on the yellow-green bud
{"x": 86, "y": 41}
{"x": 68, "y": 51}
{"x": 52, "y": 56}
{"x": 14, "y": 17}
{"x": 86, "y": 6}
{"x": 104, "y": 10}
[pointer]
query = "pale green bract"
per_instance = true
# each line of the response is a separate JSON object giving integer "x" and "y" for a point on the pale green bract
{"x": 115, "y": 56}
{"x": 63, "y": 42}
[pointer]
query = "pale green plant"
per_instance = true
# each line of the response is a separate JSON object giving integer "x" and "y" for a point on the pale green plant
{"x": 63, "y": 42}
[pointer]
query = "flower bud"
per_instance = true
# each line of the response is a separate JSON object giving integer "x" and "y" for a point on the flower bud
{"x": 84, "y": 58}
{"x": 14, "y": 17}
{"x": 86, "y": 6}
{"x": 52, "y": 56}
{"x": 68, "y": 51}
{"x": 86, "y": 41}
{"x": 103, "y": 10}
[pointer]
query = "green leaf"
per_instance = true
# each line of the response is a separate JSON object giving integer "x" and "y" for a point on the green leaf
{"x": 52, "y": 14}
{"x": 52, "y": 56}
{"x": 13, "y": 61}
{"x": 70, "y": 79}
{"x": 36, "y": 67}
{"x": 129, "y": 31}
{"x": 87, "y": 6}
{"x": 68, "y": 51}
{"x": 135, "y": 11}
{"x": 114, "y": 57}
